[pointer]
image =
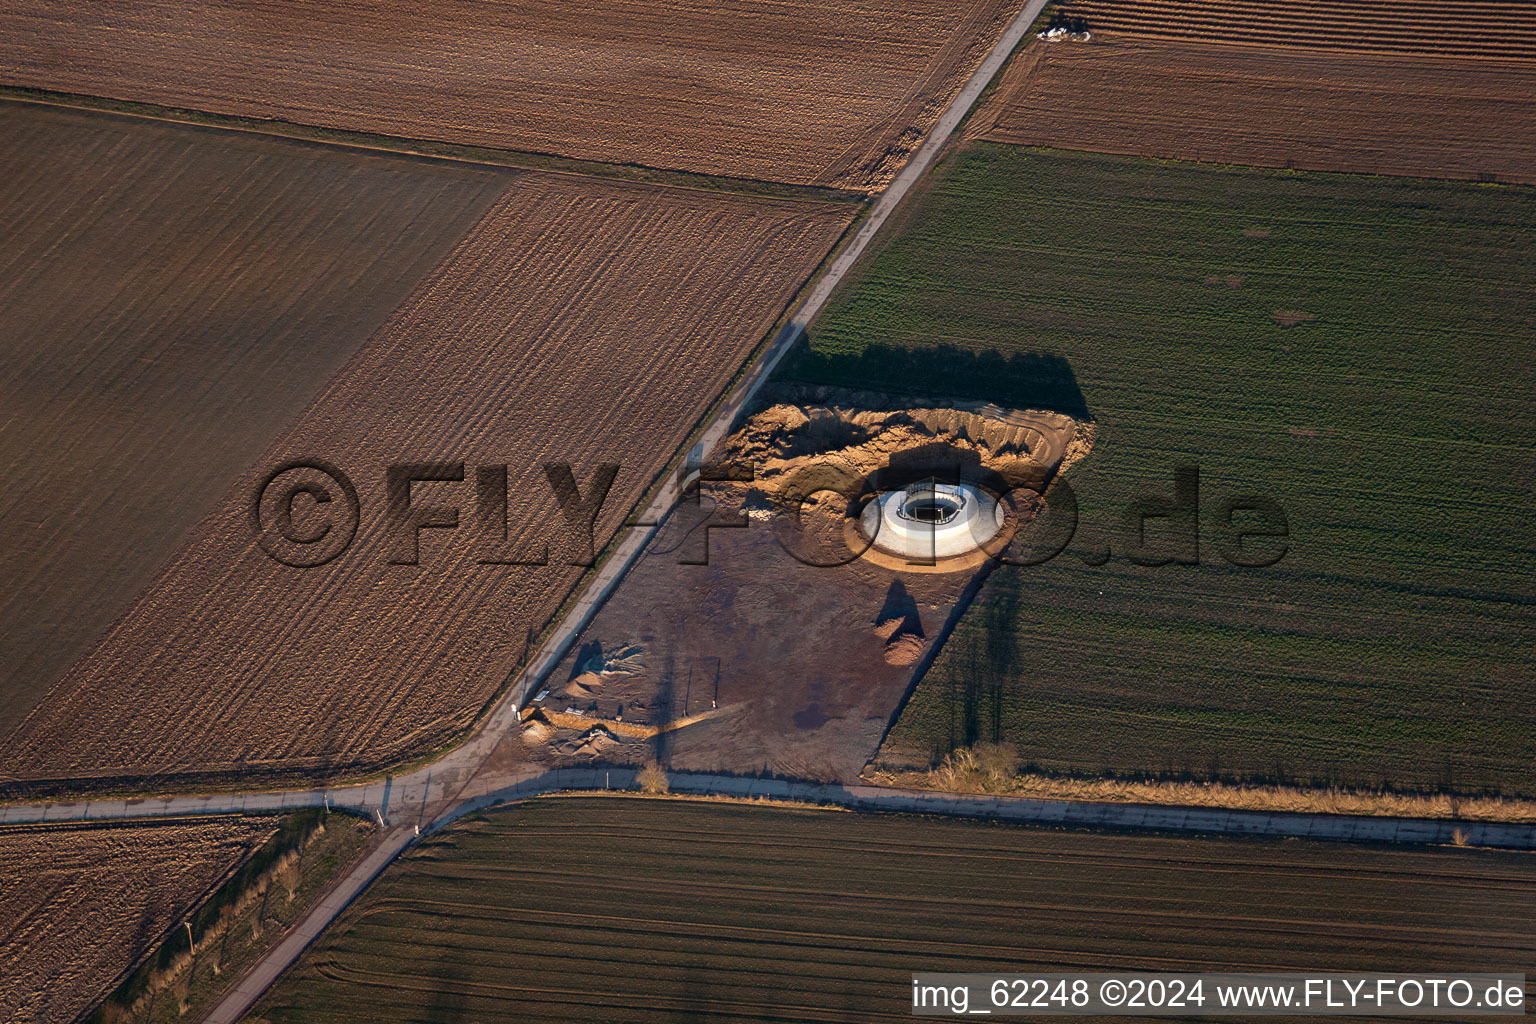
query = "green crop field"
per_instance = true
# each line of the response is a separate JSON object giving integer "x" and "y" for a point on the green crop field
{"x": 1393, "y": 421}
{"x": 644, "y": 911}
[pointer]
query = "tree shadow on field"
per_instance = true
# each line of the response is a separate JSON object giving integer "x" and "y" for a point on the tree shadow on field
{"x": 447, "y": 1002}
{"x": 695, "y": 996}
{"x": 666, "y": 713}
{"x": 1023, "y": 380}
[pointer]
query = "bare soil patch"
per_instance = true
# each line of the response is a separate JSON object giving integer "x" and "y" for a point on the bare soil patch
{"x": 83, "y": 904}
{"x": 742, "y": 651}
{"x": 810, "y": 92}
{"x": 581, "y": 322}
{"x": 783, "y": 660}
{"x": 1430, "y": 114}
{"x": 1293, "y": 317}
{"x": 169, "y": 298}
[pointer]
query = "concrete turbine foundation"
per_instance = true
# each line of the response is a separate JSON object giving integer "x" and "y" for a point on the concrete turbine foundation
{"x": 932, "y": 525}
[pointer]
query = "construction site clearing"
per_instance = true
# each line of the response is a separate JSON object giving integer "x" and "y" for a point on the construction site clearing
{"x": 761, "y": 632}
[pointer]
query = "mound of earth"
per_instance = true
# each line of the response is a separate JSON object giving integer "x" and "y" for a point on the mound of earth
{"x": 904, "y": 649}
{"x": 591, "y": 743}
{"x": 781, "y": 440}
{"x": 585, "y": 685}
{"x": 903, "y": 638}
{"x": 594, "y": 665}
{"x": 537, "y": 729}
{"x": 814, "y": 657}
{"x": 623, "y": 658}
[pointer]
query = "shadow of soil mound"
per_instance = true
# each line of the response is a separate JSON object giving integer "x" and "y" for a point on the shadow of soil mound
{"x": 1024, "y": 380}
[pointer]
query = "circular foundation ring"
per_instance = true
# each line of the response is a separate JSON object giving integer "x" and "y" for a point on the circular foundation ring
{"x": 931, "y": 527}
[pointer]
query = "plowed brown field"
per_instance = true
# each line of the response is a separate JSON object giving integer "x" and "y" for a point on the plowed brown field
{"x": 1444, "y": 28}
{"x": 169, "y": 298}
{"x": 581, "y": 321}
{"x": 1405, "y": 87}
{"x": 653, "y": 912}
{"x": 82, "y": 905}
{"x": 1309, "y": 109}
{"x": 808, "y": 92}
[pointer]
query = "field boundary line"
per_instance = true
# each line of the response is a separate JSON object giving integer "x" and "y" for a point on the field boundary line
{"x": 432, "y": 150}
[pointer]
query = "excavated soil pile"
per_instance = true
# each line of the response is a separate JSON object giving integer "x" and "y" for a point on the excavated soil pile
{"x": 904, "y": 643}
{"x": 782, "y": 440}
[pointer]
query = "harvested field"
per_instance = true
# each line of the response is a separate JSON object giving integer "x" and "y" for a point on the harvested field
{"x": 806, "y": 92}
{"x": 652, "y": 910}
{"x": 1307, "y": 109}
{"x": 1392, "y": 643}
{"x": 169, "y": 298}
{"x": 580, "y": 321}
{"x": 84, "y": 903}
{"x": 1483, "y": 29}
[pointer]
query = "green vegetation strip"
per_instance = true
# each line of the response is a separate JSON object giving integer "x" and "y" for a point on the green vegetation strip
{"x": 1394, "y": 644}
{"x": 591, "y": 909}
{"x": 232, "y": 930}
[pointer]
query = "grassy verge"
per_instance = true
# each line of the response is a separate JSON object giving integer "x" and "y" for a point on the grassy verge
{"x": 992, "y": 768}
{"x": 1352, "y": 348}
{"x": 240, "y": 922}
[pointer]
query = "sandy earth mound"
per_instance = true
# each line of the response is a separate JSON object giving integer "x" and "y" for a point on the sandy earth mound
{"x": 585, "y": 685}
{"x": 591, "y": 743}
{"x": 537, "y": 729}
{"x": 904, "y": 649}
{"x": 593, "y": 666}
{"x": 903, "y": 638}
{"x": 780, "y": 441}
